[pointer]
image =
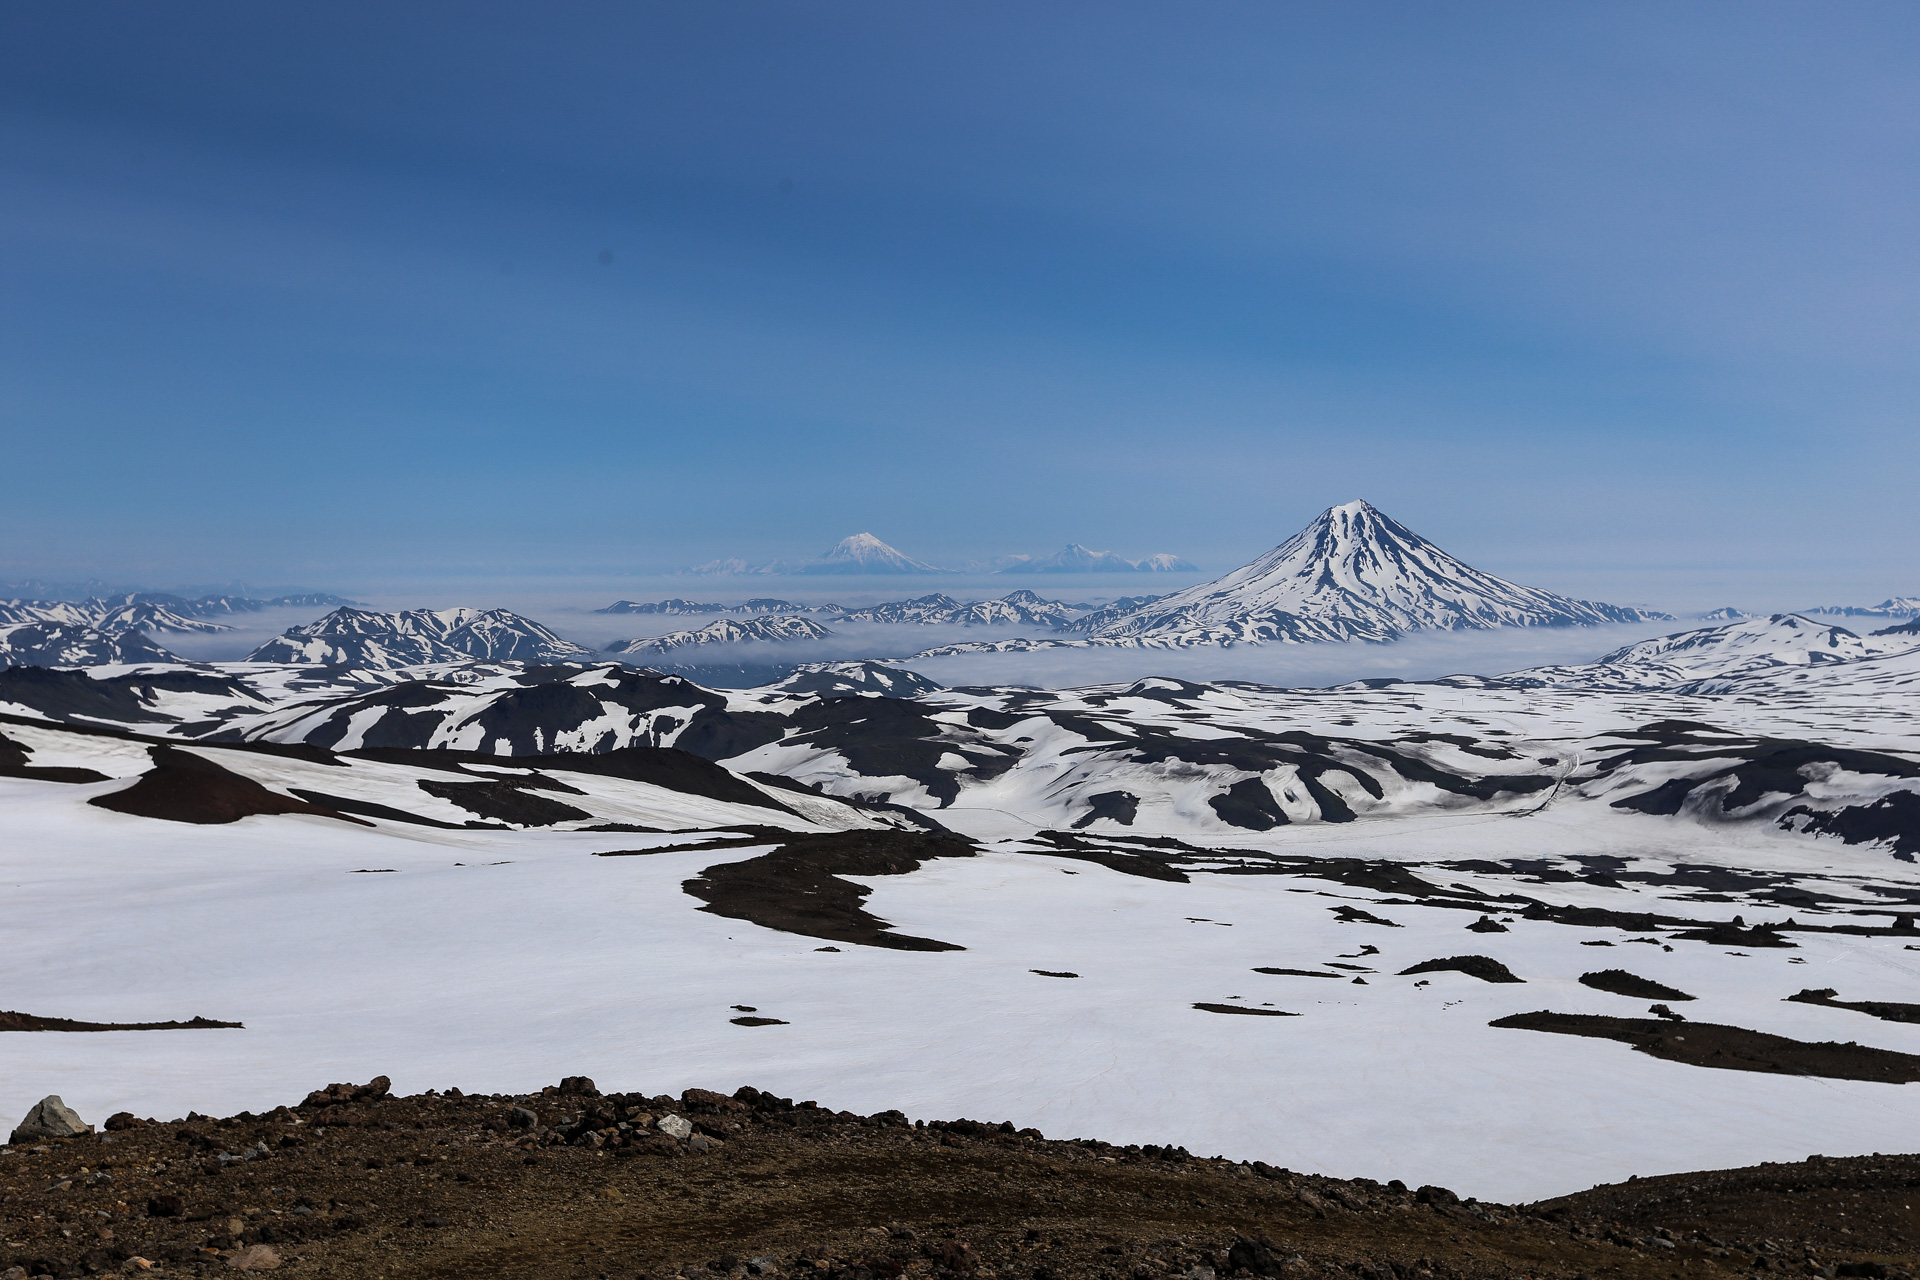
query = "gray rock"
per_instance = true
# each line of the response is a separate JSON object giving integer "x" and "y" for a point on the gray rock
{"x": 675, "y": 1127}
{"x": 521, "y": 1118}
{"x": 50, "y": 1118}
{"x": 700, "y": 1144}
{"x": 764, "y": 1265}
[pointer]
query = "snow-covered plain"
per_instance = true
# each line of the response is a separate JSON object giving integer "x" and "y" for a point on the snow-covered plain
{"x": 502, "y": 960}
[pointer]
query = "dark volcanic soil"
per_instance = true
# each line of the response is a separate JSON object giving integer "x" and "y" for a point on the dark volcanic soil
{"x": 1710, "y": 1044}
{"x": 184, "y": 787}
{"x": 568, "y": 1183}
{"x": 13, "y": 1020}
{"x": 797, "y": 888}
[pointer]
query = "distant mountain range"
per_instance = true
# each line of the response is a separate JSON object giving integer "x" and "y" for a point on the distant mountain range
{"x": 112, "y": 630}
{"x": 1023, "y": 608}
{"x": 1074, "y": 558}
{"x": 153, "y": 611}
{"x": 865, "y": 554}
{"x": 678, "y": 606}
{"x": 385, "y": 641}
{"x": 772, "y": 618}
{"x": 724, "y": 631}
{"x": 1892, "y": 607}
{"x": 59, "y": 644}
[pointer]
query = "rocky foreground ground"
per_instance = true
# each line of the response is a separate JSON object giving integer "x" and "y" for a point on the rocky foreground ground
{"x": 572, "y": 1183}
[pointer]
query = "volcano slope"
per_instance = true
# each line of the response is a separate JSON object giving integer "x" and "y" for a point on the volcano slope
{"x": 570, "y": 1183}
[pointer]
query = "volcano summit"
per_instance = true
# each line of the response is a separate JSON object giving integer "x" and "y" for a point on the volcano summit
{"x": 1353, "y": 574}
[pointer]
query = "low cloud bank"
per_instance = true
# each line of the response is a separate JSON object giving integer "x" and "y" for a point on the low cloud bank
{"x": 249, "y": 632}
{"x": 1420, "y": 657}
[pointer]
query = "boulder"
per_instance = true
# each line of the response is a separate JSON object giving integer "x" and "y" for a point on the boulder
{"x": 50, "y": 1118}
{"x": 255, "y": 1257}
{"x": 340, "y": 1094}
{"x": 674, "y": 1127}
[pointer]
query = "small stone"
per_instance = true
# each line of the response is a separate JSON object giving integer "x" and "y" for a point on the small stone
{"x": 14, "y": 1273}
{"x": 764, "y": 1265}
{"x": 235, "y": 1226}
{"x": 674, "y": 1127}
{"x": 50, "y": 1118}
{"x": 700, "y": 1144}
{"x": 255, "y": 1257}
{"x": 140, "y": 1264}
{"x": 522, "y": 1118}
{"x": 1659, "y": 1243}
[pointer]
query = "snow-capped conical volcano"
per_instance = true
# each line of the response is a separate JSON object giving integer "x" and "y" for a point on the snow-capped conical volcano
{"x": 1355, "y": 574}
{"x": 864, "y": 553}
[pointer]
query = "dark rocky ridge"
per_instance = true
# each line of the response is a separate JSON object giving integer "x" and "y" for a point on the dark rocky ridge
{"x": 570, "y": 1184}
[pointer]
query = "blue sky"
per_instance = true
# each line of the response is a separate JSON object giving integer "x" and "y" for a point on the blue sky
{"x": 1615, "y": 299}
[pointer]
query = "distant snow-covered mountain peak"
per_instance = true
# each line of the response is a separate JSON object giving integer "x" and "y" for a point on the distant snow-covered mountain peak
{"x": 861, "y": 553}
{"x": 864, "y": 553}
{"x": 1355, "y": 574}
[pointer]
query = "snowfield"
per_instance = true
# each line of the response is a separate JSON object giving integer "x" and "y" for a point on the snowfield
{"x": 1732, "y": 812}
{"x": 502, "y": 961}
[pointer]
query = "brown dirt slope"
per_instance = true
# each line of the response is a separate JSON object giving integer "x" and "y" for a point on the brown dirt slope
{"x": 569, "y": 1183}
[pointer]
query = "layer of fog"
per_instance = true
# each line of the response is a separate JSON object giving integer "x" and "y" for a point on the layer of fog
{"x": 1310, "y": 666}
{"x": 247, "y": 632}
{"x": 1422, "y": 657}
{"x": 1287, "y": 665}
